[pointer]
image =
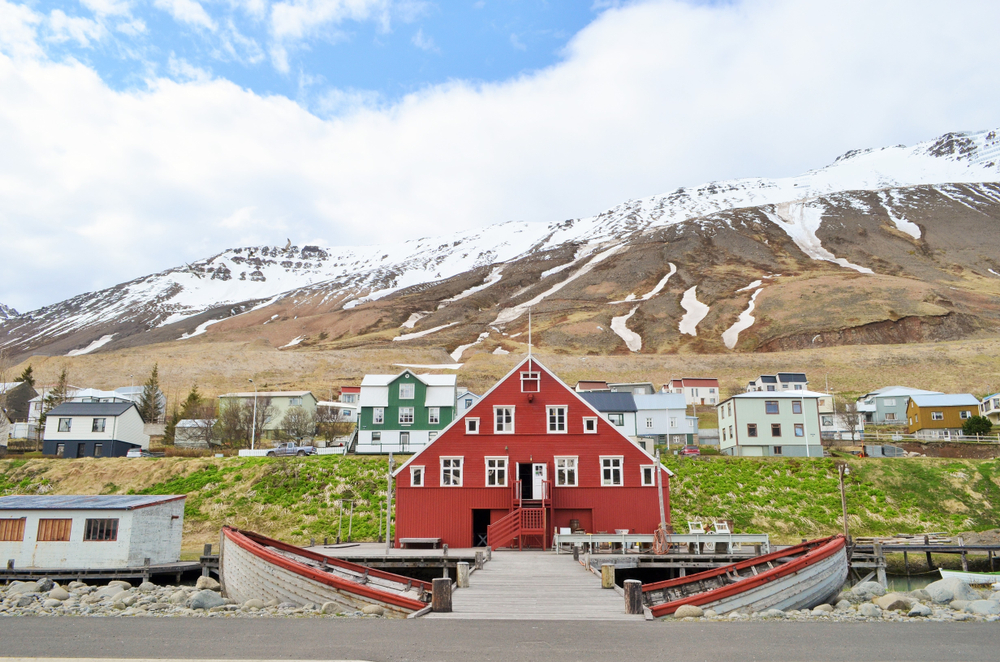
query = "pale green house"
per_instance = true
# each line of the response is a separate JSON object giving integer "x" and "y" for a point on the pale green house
{"x": 771, "y": 423}
{"x": 280, "y": 401}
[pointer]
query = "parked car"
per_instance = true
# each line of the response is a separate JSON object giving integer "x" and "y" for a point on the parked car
{"x": 690, "y": 450}
{"x": 291, "y": 448}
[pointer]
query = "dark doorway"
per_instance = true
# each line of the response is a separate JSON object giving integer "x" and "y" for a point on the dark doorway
{"x": 524, "y": 475}
{"x": 480, "y": 524}
{"x": 81, "y": 449}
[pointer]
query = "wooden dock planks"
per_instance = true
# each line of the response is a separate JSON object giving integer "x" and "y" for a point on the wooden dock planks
{"x": 536, "y": 586}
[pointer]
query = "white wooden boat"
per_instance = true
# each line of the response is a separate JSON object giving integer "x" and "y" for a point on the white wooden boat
{"x": 972, "y": 578}
{"x": 254, "y": 566}
{"x": 799, "y": 577}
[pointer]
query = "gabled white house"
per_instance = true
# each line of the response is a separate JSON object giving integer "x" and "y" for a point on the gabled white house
{"x": 663, "y": 418}
{"x": 466, "y": 400}
{"x": 93, "y": 429}
{"x": 771, "y": 423}
{"x": 696, "y": 390}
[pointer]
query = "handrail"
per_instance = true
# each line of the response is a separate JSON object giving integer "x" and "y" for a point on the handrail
{"x": 503, "y": 531}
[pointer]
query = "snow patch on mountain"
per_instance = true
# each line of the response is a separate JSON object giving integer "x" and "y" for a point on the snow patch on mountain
{"x": 800, "y": 220}
{"x": 619, "y": 325}
{"x": 412, "y": 320}
{"x": 492, "y": 279}
{"x": 890, "y": 200}
{"x": 653, "y": 292}
{"x": 457, "y": 354}
{"x": 6, "y": 312}
{"x": 696, "y": 311}
{"x": 100, "y": 342}
{"x": 421, "y": 334}
{"x": 731, "y": 335}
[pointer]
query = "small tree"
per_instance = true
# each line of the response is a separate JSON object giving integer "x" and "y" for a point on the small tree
{"x": 235, "y": 422}
{"x": 331, "y": 424}
{"x": 298, "y": 423}
{"x": 149, "y": 402}
{"x": 191, "y": 407}
{"x": 848, "y": 410}
{"x": 57, "y": 395}
{"x": 976, "y": 425}
{"x": 27, "y": 375}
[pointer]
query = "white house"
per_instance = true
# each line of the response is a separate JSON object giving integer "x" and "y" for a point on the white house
{"x": 782, "y": 381}
{"x": 837, "y": 425}
{"x": 90, "y": 532}
{"x": 194, "y": 433}
{"x": 618, "y": 407}
{"x": 771, "y": 423}
{"x": 635, "y": 388}
{"x": 93, "y": 429}
{"x": 663, "y": 416}
{"x": 696, "y": 390}
{"x": 466, "y": 400}
{"x": 990, "y": 408}
{"x": 405, "y": 412}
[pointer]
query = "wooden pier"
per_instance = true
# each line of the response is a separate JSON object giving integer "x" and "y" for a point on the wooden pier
{"x": 536, "y": 586}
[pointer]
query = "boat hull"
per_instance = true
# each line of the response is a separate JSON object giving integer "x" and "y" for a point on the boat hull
{"x": 810, "y": 575}
{"x": 972, "y": 578}
{"x": 249, "y": 569}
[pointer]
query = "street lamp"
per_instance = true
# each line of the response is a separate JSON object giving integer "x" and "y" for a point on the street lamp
{"x": 253, "y": 423}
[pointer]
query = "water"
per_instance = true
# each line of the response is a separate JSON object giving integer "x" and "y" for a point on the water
{"x": 903, "y": 583}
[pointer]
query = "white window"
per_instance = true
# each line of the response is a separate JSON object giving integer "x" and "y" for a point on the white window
{"x": 617, "y": 419}
{"x": 434, "y": 415}
{"x": 347, "y": 398}
{"x": 798, "y": 387}
{"x": 98, "y": 425}
{"x": 294, "y": 402}
{"x": 723, "y": 434}
{"x": 64, "y": 424}
{"x": 406, "y": 415}
{"x": 451, "y": 471}
{"x": 889, "y": 402}
{"x": 406, "y": 391}
{"x": 377, "y": 435}
{"x": 649, "y": 423}
{"x": 468, "y": 403}
{"x": 416, "y": 476}
{"x": 590, "y": 425}
{"x": 964, "y": 414}
{"x": 648, "y": 474}
{"x": 673, "y": 422}
{"x": 890, "y": 416}
{"x": 557, "y": 419}
{"x": 378, "y": 416}
{"x": 404, "y": 439}
{"x": 565, "y": 471}
{"x": 800, "y": 430}
{"x": 937, "y": 415}
{"x": 730, "y": 408}
{"x": 611, "y": 471}
{"x": 826, "y": 420}
{"x": 472, "y": 426}
{"x": 503, "y": 420}
{"x": 531, "y": 382}
{"x": 711, "y": 390}
{"x": 496, "y": 472}
{"x": 432, "y": 435}
{"x": 770, "y": 387}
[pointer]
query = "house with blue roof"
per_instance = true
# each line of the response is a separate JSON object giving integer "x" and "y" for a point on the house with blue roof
{"x": 887, "y": 405}
{"x": 940, "y": 416}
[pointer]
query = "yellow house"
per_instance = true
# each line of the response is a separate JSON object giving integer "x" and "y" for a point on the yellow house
{"x": 939, "y": 416}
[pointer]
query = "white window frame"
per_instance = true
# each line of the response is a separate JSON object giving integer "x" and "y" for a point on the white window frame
{"x": 965, "y": 414}
{"x": 620, "y": 467}
{"x": 377, "y": 435}
{"x": 378, "y": 416}
{"x": 890, "y": 416}
{"x": 531, "y": 376}
{"x": 471, "y": 425}
{"x": 494, "y": 469}
{"x": 69, "y": 424}
{"x": 498, "y": 408}
{"x": 404, "y": 441}
{"x": 402, "y": 412}
{"x": 412, "y": 389}
{"x": 294, "y": 402}
{"x": 937, "y": 415}
{"x": 414, "y": 473}
{"x": 673, "y": 422}
{"x": 889, "y": 402}
{"x": 589, "y": 419}
{"x": 649, "y": 423}
{"x": 616, "y": 414}
{"x": 433, "y": 415}
{"x": 651, "y": 469}
{"x": 432, "y": 435}
{"x": 564, "y": 409}
{"x": 572, "y": 464}
{"x": 103, "y": 426}
{"x": 451, "y": 470}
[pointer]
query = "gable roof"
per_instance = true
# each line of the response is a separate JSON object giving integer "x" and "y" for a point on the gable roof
{"x": 893, "y": 391}
{"x": 84, "y": 502}
{"x": 946, "y": 400}
{"x": 610, "y": 401}
{"x": 428, "y": 380}
{"x": 696, "y": 381}
{"x": 92, "y": 409}
{"x": 660, "y": 401}
{"x": 534, "y": 365}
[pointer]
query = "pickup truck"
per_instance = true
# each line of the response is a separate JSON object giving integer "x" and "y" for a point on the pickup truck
{"x": 291, "y": 449}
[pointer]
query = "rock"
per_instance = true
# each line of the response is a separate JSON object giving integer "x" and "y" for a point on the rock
{"x": 21, "y": 589}
{"x": 686, "y": 611}
{"x": 330, "y": 608}
{"x": 177, "y": 597}
{"x": 59, "y": 593}
{"x": 273, "y": 602}
{"x": 76, "y": 584}
{"x": 24, "y": 601}
{"x": 253, "y": 603}
{"x": 206, "y": 600}
{"x": 287, "y": 605}
{"x": 920, "y": 595}
{"x": 52, "y": 602}
{"x": 823, "y": 609}
{"x": 45, "y": 585}
{"x": 710, "y": 613}
{"x": 206, "y": 583}
{"x": 148, "y": 586}
{"x": 870, "y": 610}
{"x": 120, "y": 582}
{"x": 958, "y": 605}
{"x": 945, "y": 590}
{"x": 843, "y": 605}
{"x": 108, "y": 591}
{"x": 158, "y": 606}
{"x": 378, "y": 611}
{"x": 983, "y": 607}
{"x": 919, "y": 610}
{"x": 894, "y": 602}
{"x": 218, "y": 608}
{"x": 773, "y": 613}
{"x": 868, "y": 590}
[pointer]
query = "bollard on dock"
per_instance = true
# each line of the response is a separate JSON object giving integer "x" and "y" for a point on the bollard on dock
{"x": 441, "y": 594}
{"x": 607, "y": 575}
{"x": 633, "y": 596}
{"x": 489, "y": 553}
{"x": 463, "y": 574}
{"x": 576, "y": 553}
{"x": 480, "y": 560}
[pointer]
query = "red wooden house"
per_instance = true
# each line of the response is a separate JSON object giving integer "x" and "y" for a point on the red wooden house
{"x": 529, "y": 457}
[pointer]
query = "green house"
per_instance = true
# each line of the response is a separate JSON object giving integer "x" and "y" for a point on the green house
{"x": 403, "y": 413}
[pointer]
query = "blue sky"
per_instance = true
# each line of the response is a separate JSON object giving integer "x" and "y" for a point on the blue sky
{"x": 137, "y": 135}
{"x": 373, "y": 52}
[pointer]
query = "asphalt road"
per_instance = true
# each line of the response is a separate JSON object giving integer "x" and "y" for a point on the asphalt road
{"x": 484, "y": 641}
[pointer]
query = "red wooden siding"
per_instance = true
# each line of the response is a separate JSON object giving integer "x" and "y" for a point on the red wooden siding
{"x": 446, "y": 512}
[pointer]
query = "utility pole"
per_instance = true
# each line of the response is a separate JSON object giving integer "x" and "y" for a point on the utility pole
{"x": 659, "y": 488}
{"x": 253, "y": 423}
{"x": 843, "y": 470}
{"x": 388, "y": 506}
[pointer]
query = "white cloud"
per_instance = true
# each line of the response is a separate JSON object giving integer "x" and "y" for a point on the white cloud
{"x": 80, "y": 30}
{"x": 108, "y": 7}
{"x": 295, "y": 19}
{"x": 424, "y": 43}
{"x": 98, "y": 186}
{"x": 132, "y": 28}
{"x": 181, "y": 69}
{"x": 187, "y": 11}
{"x": 517, "y": 43}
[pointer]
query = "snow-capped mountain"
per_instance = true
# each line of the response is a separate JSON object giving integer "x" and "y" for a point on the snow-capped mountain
{"x": 6, "y": 312}
{"x": 891, "y": 183}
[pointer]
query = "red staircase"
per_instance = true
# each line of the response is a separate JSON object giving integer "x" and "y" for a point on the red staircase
{"x": 522, "y": 527}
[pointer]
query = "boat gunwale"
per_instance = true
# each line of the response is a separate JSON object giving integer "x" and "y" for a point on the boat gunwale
{"x": 821, "y": 549}
{"x": 255, "y": 547}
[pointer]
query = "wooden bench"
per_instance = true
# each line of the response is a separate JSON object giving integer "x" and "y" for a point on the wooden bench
{"x": 408, "y": 543}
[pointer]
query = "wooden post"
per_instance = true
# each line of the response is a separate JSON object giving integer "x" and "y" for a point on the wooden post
{"x": 441, "y": 594}
{"x": 388, "y": 508}
{"x": 207, "y": 551}
{"x": 659, "y": 487}
{"x": 607, "y": 575}
{"x": 989, "y": 554}
{"x": 463, "y": 574}
{"x": 633, "y": 596}
{"x": 906, "y": 563}
{"x": 841, "y": 470}
{"x": 930, "y": 563}
{"x": 576, "y": 553}
{"x": 350, "y": 522}
{"x": 380, "y": 522}
{"x": 489, "y": 553}
{"x": 480, "y": 559}
{"x": 879, "y": 563}
{"x": 340, "y": 519}
{"x": 965, "y": 561}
